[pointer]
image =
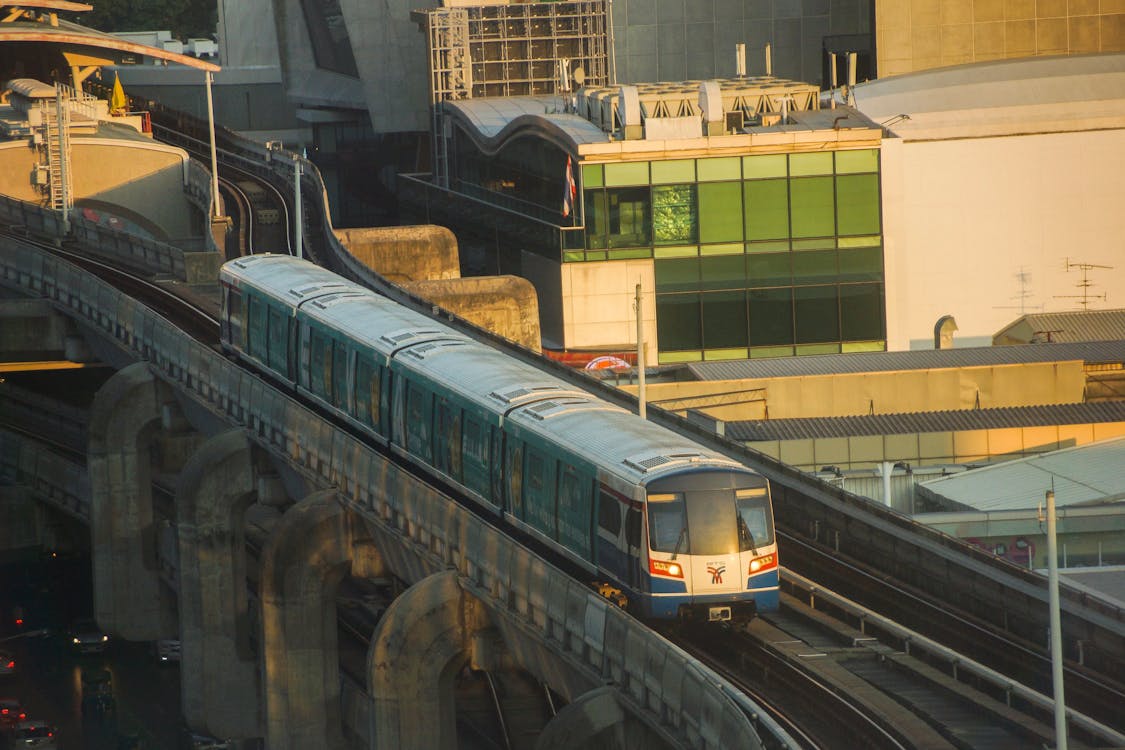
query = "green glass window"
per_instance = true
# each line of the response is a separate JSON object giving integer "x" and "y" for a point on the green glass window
{"x": 676, "y": 274}
{"x": 819, "y": 162}
{"x": 720, "y": 212}
{"x": 767, "y": 209}
{"x": 723, "y": 272}
{"x": 628, "y": 173}
{"x": 861, "y": 264}
{"x": 771, "y": 317}
{"x": 675, "y": 219}
{"x": 724, "y": 320}
{"x": 629, "y": 217}
{"x": 279, "y": 340}
{"x": 597, "y": 219}
{"x": 677, "y": 322}
{"x": 593, "y": 176}
{"x": 726, "y": 168}
{"x": 339, "y": 375}
{"x": 769, "y": 269}
{"x": 857, "y": 203}
{"x": 680, "y": 170}
{"x": 814, "y": 213}
{"x": 817, "y": 314}
{"x": 757, "y": 167}
{"x": 850, "y": 162}
{"x": 861, "y": 312}
{"x": 814, "y": 267}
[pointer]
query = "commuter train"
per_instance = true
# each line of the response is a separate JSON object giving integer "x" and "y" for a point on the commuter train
{"x": 661, "y": 525}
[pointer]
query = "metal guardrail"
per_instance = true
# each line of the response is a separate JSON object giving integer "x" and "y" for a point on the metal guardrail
{"x": 524, "y": 593}
{"x": 915, "y": 642}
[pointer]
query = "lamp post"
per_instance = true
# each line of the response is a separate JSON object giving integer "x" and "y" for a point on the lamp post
{"x": 640, "y": 357}
{"x": 298, "y": 219}
{"x": 1056, "y": 623}
{"x": 215, "y": 213}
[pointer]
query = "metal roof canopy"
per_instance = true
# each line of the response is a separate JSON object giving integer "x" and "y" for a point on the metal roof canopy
{"x": 1084, "y": 476}
{"x": 81, "y": 46}
{"x": 927, "y": 359}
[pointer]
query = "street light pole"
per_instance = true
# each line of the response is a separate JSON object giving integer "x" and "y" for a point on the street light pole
{"x": 215, "y": 213}
{"x": 298, "y": 220}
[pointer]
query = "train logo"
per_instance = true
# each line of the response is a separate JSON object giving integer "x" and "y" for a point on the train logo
{"x": 716, "y": 572}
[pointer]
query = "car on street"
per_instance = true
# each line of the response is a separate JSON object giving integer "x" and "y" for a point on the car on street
{"x": 11, "y": 712}
{"x": 33, "y": 735}
{"x": 7, "y": 663}
{"x": 87, "y": 638}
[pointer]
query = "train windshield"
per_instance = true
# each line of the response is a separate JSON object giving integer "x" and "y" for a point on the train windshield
{"x": 709, "y": 521}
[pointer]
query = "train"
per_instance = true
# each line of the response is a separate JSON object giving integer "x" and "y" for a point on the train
{"x": 660, "y": 525}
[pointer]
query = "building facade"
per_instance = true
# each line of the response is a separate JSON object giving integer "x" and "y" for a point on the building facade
{"x": 750, "y": 236}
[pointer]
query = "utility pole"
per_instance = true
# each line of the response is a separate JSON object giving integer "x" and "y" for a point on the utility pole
{"x": 640, "y": 356}
{"x": 1056, "y": 624}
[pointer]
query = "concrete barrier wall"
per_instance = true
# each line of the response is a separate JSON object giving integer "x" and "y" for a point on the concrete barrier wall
{"x": 530, "y": 600}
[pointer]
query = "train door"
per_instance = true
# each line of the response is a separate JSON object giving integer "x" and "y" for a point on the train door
{"x": 496, "y": 466}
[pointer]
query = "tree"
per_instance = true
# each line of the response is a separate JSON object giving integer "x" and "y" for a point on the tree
{"x": 184, "y": 18}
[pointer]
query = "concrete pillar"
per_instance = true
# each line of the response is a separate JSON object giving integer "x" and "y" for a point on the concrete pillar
{"x": 125, "y": 420}
{"x": 423, "y": 640}
{"x": 311, "y": 550}
{"x": 218, "y": 670}
{"x": 594, "y": 719}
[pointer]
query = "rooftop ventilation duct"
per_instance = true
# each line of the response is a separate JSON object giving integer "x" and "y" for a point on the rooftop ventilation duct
{"x": 711, "y": 103}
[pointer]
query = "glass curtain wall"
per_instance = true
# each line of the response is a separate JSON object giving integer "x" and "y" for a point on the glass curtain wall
{"x": 769, "y": 255}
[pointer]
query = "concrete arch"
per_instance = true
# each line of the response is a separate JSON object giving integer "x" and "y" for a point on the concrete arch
{"x": 316, "y": 543}
{"x": 423, "y": 639}
{"x": 125, "y": 420}
{"x": 596, "y": 719}
{"x": 219, "y": 672}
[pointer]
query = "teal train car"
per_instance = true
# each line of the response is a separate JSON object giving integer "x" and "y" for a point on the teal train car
{"x": 660, "y": 525}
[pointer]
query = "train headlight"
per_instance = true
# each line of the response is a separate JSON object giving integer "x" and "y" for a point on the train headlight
{"x": 758, "y": 564}
{"x": 665, "y": 568}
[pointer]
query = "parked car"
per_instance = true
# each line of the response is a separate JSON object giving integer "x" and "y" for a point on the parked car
{"x": 11, "y": 712}
{"x": 7, "y": 663}
{"x": 87, "y": 638}
{"x": 33, "y": 735}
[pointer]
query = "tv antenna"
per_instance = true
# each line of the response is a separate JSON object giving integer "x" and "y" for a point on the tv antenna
{"x": 1085, "y": 284}
{"x": 1023, "y": 277}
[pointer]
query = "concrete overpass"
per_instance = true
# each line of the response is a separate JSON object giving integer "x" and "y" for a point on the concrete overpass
{"x": 267, "y": 665}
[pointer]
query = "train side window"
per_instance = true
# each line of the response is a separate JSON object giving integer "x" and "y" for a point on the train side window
{"x": 514, "y": 464}
{"x": 340, "y": 375}
{"x": 454, "y": 425}
{"x": 609, "y": 513}
{"x": 257, "y": 329}
{"x": 419, "y": 411}
{"x": 367, "y": 391}
{"x": 633, "y": 527}
{"x": 320, "y": 363}
{"x": 234, "y": 316}
{"x": 279, "y": 341}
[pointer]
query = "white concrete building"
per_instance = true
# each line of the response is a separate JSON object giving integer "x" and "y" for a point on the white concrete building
{"x": 1003, "y": 186}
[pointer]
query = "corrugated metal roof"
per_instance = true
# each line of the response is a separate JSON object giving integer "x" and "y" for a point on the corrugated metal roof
{"x": 938, "y": 421}
{"x": 929, "y": 359}
{"x": 1067, "y": 327}
{"x": 489, "y": 117}
{"x": 1084, "y": 475}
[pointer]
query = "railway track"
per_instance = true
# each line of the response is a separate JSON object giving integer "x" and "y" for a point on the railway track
{"x": 1089, "y": 693}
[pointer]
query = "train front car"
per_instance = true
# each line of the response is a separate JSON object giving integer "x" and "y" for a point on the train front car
{"x": 712, "y": 554}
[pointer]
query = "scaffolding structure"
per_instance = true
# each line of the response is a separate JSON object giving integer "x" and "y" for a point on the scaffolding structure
{"x": 512, "y": 50}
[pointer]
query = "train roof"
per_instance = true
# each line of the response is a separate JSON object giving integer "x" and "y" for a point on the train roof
{"x": 486, "y": 376}
{"x": 622, "y": 443}
{"x": 384, "y": 325}
{"x": 282, "y": 276}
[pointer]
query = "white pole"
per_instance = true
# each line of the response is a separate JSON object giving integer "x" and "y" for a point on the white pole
{"x": 298, "y": 218}
{"x": 640, "y": 357}
{"x": 214, "y": 155}
{"x": 62, "y": 118}
{"x": 769, "y": 61}
{"x": 1056, "y": 625}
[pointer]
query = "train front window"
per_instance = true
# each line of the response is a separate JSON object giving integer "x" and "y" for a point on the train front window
{"x": 667, "y": 523}
{"x": 754, "y": 527}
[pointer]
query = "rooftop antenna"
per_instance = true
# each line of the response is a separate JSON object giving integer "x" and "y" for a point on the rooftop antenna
{"x": 1023, "y": 276}
{"x": 1085, "y": 284}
